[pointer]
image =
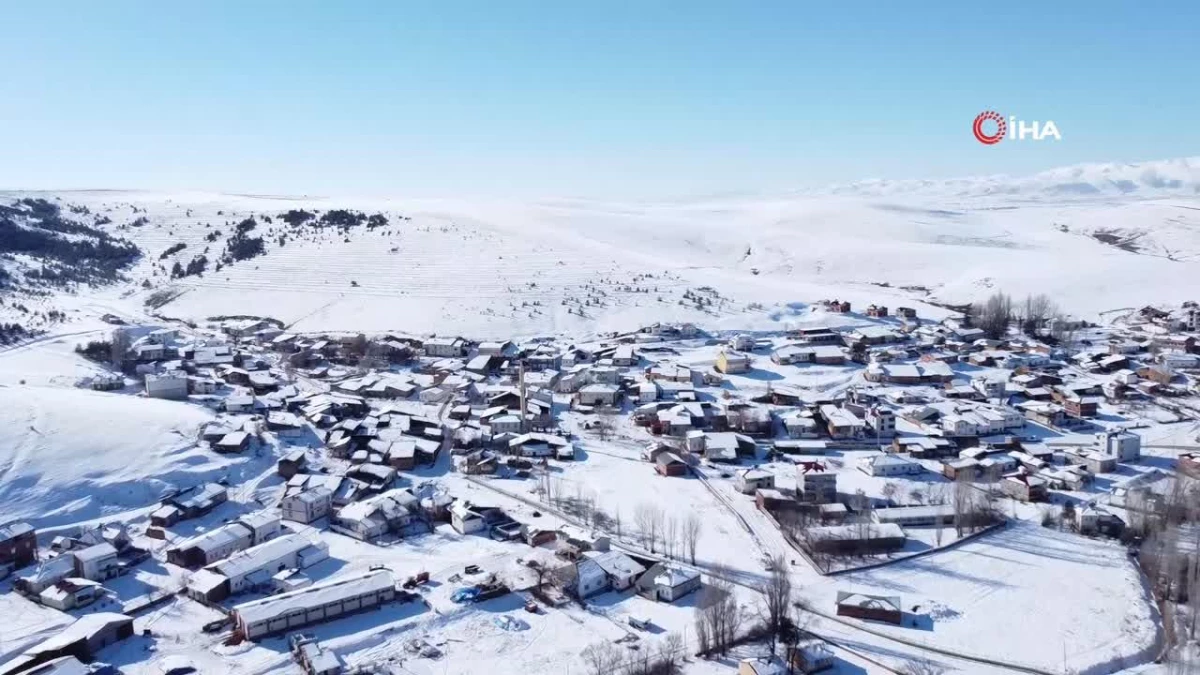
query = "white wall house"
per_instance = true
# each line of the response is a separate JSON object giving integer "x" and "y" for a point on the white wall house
{"x": 308, "y": 505}
{"x": 169, "y": 385}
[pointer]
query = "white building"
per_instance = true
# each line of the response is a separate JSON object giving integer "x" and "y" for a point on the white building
{"x": 169, "y": 385}
{"x": 255, "y": 566}
{"x": 464, "y": 519}
{"x": 840, "y": 422}
{"x": 959, "y": 425}
{"x": 445, "y": 346}
{"x": 505, "y": 424}
{"x": 590, "y": 579}
{"x": 1126, "y": 446}
{"x": 889, "y": 465}
{"x": 263, "y": 525}
{"x": 668, "y": 583}
{"x": 742, "y": 342}
{"x": 881, "y": 421}
{"x": 536, "y": 444}
{"x": 319, "y": 602}
{"x": 624, "y": 357}
{"x": 375, "y": 516}
{"x": 990, "y": 387}
{"x": 307, "y": 505}
{"x": 209, "y": 547}
{"x": 496, "y": 348}
{"x": 597, "y": 395}
{"x": 71, "y": 593}
{"x": 97, "y": 563}
{"x": 601, "y": 571}
{"x": 749, "y": 481}
{"x": 799, "y": 426}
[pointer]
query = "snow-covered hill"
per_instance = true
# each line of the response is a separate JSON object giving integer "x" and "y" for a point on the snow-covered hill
{"x": 68, "y": 455}
{"x": 1095, "y": 237}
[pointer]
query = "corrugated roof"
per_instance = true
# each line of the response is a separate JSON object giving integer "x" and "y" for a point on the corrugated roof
{"x": 317, "y": 595}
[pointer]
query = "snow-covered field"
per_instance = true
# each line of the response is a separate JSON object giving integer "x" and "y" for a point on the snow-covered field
{"x": 1023, "y": 594}
{"x": 68, "y": 455}
{"x": 504, "y": 269}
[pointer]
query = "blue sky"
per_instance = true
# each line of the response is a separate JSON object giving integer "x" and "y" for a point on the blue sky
{"x": 613, "y": 99}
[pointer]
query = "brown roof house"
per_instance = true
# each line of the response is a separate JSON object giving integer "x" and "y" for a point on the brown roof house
{"x": 870, "y": 607}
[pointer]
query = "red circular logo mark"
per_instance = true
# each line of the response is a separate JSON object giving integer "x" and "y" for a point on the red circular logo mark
{"x": 989, "y": 139}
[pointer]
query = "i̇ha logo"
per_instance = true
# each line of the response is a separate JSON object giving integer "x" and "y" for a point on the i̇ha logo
{"x": 990, "y": 128}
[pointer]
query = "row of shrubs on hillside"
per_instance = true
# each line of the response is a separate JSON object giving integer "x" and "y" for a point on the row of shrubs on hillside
{"x": 342, "y": 219}
{"x": 36, "y": 228}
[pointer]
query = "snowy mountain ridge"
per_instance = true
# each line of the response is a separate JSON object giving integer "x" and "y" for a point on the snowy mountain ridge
{"x": 1162, "y": 178}
{"x": 1095, "y": 237}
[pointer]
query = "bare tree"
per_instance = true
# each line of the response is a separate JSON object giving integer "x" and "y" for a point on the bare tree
{"x": 121, "y": 343}
{"x": 691, "y": 535}
{"x": 1063, "y": 330}
{"x": 671, "y": 532}
{"x": 891, "y": 490}
{"x": 602, "y": 658}
{"x": 1182, "y": 661}
{"x": 777, "y": 598}
{"x": 656, "y": 527}
{"x": 671, "y": 651}
{"x": 643, "y": 515}
{"x": 605, "y": 425}
{"x": 1193, "y": 591}
{"x": 963, "y": 496}
{"x": 922, "y": 667}
{"x": 583, "y": 503}
{"x": 993, "y": 315}
{"x": 703, "y": 641}
{"x": 1037, "y": 310}
{"x": 722, "y": 615}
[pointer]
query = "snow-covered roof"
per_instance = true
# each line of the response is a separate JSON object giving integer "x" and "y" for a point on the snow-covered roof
{"x": 14, "y": 530}
{"x": 82, "y": 629}
{"x": 536, "y": 437}
{"x": 260, "y": 519}
{"x": 863, "y": 600}
{"x": 840, "y": 417}
{"x": 390, "y": 504}
{"x": 264, "y": 555}
{"x": 205, "y": 581}
{"x": 216, "y": 539}
{"x": 889, "y": 460}
{"x": 315, "y": 596}
{"x": 97, "y": 552}
{"x": 763, "y": 666}
{"x": 899, "y": 513}
{"x": 672, "y": 576}
{"x": 856, "y": 532}
{"x": 754, "y": 474}
{"x": 618, "y": 564}
{"x": 63, "y": 665}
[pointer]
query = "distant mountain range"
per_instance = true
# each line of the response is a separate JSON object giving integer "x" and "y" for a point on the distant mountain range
{"x": 1161, "y": 178}
{"x": 1095, "y": 237}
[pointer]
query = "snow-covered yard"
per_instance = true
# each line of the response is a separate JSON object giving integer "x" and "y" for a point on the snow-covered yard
{"x": 1023, "y": 594}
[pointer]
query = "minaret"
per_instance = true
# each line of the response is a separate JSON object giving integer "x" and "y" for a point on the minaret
{"x": 521, "y": 384}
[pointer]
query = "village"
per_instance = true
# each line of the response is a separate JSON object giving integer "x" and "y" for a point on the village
{"x": 663, "y": 500}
